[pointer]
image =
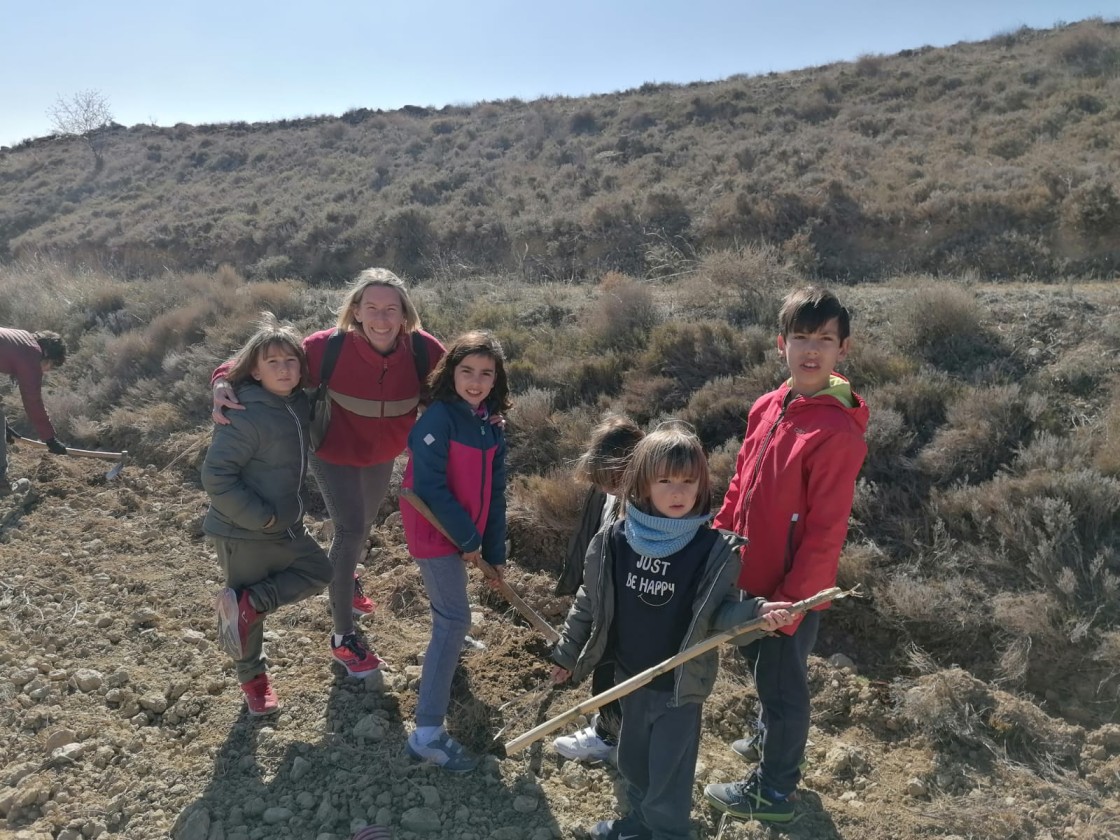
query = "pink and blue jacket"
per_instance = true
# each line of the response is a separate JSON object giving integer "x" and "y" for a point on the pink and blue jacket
{"x": 457, "y": 465}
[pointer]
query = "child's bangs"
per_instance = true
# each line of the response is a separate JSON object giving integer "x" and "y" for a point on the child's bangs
{"x": 680, "y": 461}
{"x": 280, "y": 344}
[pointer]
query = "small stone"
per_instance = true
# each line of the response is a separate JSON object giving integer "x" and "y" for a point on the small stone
{"x": 430, "y": 796}
{"x": 305, "y": 799}
{"x": 103, "y": 621}
{"x": 87, "y": 680}
{"x": 276, "y": 815}
{"x": 375, "y": 681}
{"x": 844, "y": 663}
{"x": 525, "y": 804}
{"x": 59, "y": 738}
{"x": 195, "y": 825}
{"x": 848, "y": 796}
{"x": 916, "y": 788}
{"x": 420, "y": 820}
{"x": 145, "y": 616}
{"x": 23, "y": 676}
{"x": 299, "y": 768}
{"x": 67, "y": 753}
{"x": 370, "y": 728}
{"x": 155, "y": 702}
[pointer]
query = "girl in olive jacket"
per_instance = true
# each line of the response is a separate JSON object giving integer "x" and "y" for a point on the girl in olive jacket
{"x": 254, "y": 473}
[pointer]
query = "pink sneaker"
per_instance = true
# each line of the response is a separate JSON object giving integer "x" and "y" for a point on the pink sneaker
{"x": 259, "y": 696}
{"x": 355, "y": 657}
{"x": 362, "y": 604}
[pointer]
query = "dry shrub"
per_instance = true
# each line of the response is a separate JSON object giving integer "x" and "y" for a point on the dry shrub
{"x": 623, "y": 315}
{"x": 985, "y": 427}
{"x": 718, "y": 411}
{"x": 644, "y": 397}
{"x": 873, "y": 365}
{"x": 1081, "y": 370}
{"x": 1058, "y": 527}
{"x": 940, "y": 324}
{"x": 743, "y": 287}
{"x": 939, "y": 610}
{"x": 1107, "y": 457}
{"x": 532, "y": 433}
{"x": 951, "y": 707}
{"x": 1088, "y": 51}
{"x": 921, "y": 398}
{"x": 721, "y": 465}
{"x": 542, "y": 514}
{"x": 857, "y": 565}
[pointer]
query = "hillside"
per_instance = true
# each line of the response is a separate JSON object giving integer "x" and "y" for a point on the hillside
{"x": 998, "y": 158}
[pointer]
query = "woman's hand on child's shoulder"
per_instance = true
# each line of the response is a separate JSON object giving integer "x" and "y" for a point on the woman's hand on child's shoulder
{"x": 223, "y": 397}
{"x": 776, "y": 614}
{"x": 560, "y": 675}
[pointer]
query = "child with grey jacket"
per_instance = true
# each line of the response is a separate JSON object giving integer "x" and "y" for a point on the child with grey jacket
{"x": 254, "y": 473}
{"x": 657, "y": 582}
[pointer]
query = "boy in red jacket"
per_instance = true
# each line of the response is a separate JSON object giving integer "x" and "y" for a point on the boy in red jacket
{"x": 791, "y": 496}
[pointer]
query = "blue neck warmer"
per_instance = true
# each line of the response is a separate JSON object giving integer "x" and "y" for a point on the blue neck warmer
{"x": 658, "y": 536}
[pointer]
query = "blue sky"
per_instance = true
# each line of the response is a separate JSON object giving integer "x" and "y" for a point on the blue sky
{"x": 206, "y": 61}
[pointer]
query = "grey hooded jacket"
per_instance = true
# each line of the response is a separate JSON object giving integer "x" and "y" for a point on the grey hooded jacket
{"x": 719, "y": 605}
{"x": 255, "y": 467}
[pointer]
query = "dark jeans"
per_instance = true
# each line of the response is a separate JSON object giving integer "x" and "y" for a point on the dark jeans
{"x": 657, "y": 751}
{"x": 353, "y": 496}
{"x": 780, "y": 664}
{"x": 609, "y": 721}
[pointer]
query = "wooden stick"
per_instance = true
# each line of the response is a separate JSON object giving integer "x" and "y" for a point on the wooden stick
{"x": 508, "y": 592}
{"x": 646, "y": 676}
{"x": 70, "y": 450}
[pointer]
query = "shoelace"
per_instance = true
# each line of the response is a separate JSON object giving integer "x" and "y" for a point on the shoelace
{"x": 358, "y": 590}
{"x": 351, "y": 643}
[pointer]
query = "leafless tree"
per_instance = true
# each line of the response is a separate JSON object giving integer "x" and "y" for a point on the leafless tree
{"x": 85, "y": 114}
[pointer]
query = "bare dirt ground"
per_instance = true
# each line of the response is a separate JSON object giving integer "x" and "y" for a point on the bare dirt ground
{"x": 120, "y": 718}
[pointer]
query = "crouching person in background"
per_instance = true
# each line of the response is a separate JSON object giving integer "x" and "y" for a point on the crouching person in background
{"x": 254, "y": 473}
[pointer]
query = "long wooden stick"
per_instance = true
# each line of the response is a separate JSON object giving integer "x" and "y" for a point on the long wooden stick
{"x": 638, "y": 680}
{"x": 508, "y": 592}
{"x": 70, "y": 450}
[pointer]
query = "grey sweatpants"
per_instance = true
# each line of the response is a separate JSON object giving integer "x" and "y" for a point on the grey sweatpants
{"x": 657, "y": 751}
{"x": 276, "y": 572}
{"x": 353, "y": 496}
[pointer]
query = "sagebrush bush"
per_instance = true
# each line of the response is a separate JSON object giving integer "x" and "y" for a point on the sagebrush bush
{"x": 622, "y": 315}
{"x": 940, "y": 324}
{"x": 984, "y": 429}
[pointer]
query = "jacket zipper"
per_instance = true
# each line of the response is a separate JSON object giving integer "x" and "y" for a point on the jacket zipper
{"x": 789, "y": 541}
{"x": 761, "y": 452}
{"x": 302, "y": 462}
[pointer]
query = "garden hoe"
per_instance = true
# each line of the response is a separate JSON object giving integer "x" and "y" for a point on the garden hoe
{"x": 120, "y": 457}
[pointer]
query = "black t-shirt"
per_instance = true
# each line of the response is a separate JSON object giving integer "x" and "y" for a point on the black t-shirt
{"x": 653, "y": 603}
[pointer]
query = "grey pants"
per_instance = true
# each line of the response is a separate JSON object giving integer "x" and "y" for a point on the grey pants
{"x": 276, "y": 572}
{"x": 353, "y": 496}
{"x": 657, "y": 751}
{"x": 445, "y": 580}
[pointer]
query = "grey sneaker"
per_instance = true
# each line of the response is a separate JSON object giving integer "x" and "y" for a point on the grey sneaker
{"x": 747, "y": 800}
{"x": 444, "y": 752}
{"x": 751, "y": 749}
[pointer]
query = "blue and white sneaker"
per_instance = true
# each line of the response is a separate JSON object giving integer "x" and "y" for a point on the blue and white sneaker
{"x": 443, "y": 751}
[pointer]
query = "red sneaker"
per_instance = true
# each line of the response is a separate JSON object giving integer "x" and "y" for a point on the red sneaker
{"x": 259, "y": 696}
{"x": 236, "y": 615}
{"x": 356, "y": 658}
{"x": 362, "y": 604}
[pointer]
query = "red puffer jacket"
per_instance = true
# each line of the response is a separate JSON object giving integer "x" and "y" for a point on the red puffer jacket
{"x": 792, "y": 491}
{"x": 21, "y": 358}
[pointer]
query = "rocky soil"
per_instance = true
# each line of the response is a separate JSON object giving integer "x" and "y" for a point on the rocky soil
{"x": 120, "y": 718}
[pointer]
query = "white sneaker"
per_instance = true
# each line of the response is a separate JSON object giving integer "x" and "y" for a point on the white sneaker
{"x": 584, "y": 745}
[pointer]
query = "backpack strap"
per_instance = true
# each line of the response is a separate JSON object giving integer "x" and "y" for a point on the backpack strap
{"x": 420, "y": 359}
{"x": 326, "y": 367}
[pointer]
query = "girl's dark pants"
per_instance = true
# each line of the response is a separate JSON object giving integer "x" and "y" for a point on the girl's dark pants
{"x": 609, "y": 721}
{"x": 657, "y": 751}
{"x": 780, "y": 664}
{"x": 276, "y": 572}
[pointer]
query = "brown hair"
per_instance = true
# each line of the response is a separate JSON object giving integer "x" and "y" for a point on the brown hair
{"x": 376, "y": 277}
{"x": 608, "y": 453}
{"x": 441, "y": 381}
{"x": 270, "y": 333}
{"x": 672, "y": 449}
{"x": 51, "y": 346}
{"x": 810, "y": 308}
